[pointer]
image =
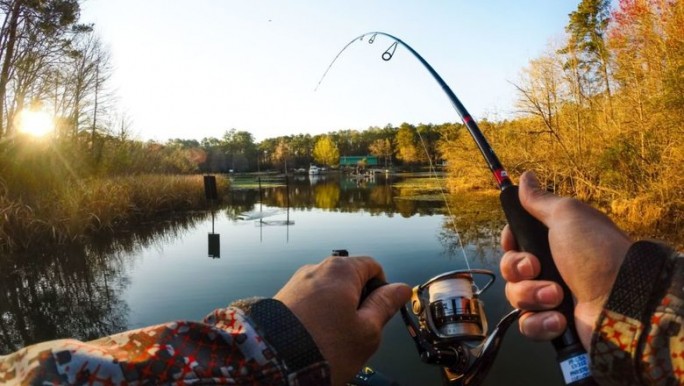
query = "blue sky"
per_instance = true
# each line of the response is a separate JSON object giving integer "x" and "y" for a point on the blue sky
{"x": 196, "y": 68}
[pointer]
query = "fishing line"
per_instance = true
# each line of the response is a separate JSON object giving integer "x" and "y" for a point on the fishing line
{"x": 433, "y": 170}
{"x": 387, "y": 56}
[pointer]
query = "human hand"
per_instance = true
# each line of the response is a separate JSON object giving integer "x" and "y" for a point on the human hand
{"x": 587, "y": 248}
{"x": 325, "y": 298}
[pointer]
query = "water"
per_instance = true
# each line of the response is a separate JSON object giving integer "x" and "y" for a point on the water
{"x": 163, "y": 271}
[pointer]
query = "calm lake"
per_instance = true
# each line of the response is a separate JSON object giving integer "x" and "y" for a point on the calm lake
{"x": 164, "y": 271}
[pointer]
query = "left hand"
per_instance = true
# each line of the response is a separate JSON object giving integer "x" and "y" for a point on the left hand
{"x": 325, "y": 298}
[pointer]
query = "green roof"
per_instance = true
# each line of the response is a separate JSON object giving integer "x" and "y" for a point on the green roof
{"x": 353, "y": 160}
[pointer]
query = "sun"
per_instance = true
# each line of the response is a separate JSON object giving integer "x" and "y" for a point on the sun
{"x": 37, "y": 123}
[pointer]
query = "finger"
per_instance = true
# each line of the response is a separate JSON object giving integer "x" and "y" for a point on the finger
{"x": 358, "y": 270}
{"x": 534, "y": 295}
{"x": 384, "y": 302}
{"x": 517, "y": 266}
{"x": 544, "y": 325}
{"x": 508, "y": 240}
{"x": 538, "y": 202}
{"x": 367, "y": 268}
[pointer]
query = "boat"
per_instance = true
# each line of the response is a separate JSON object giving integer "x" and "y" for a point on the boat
{"x": 314, "y": 170}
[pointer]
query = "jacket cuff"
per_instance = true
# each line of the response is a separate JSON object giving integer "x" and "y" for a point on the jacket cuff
{"x": 292, "y": 343}
{"x": 622, "y": 327}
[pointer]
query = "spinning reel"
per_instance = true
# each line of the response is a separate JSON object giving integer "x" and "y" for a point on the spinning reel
{"x": 452, "y": 326}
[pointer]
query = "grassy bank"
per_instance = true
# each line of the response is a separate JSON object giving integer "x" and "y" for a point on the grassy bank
{"x": 75, "y": 210}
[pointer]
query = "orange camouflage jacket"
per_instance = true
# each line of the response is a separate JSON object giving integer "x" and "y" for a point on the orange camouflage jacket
{"x": 639, "y": 338}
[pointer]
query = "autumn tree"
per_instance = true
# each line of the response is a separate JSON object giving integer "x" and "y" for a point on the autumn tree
{"x": 428, "y": 136}
{"x": 601, "y": 117}
{"x": 326, "y": 152}
{"x": 406, "y": 142}
{"x": 586, "y": 54}
{"x": 301, "y": 147}
{"x": 646, "y": 40}
{"x": 382, "y": 148}
{"x": 281, "y": 153}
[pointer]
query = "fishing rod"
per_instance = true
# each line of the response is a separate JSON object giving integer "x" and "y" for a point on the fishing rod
{"x": 452, "y": 327}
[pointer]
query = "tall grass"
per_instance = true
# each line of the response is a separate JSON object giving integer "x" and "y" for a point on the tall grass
{"x": 55, "y": 194}
{"x": 85, "y": 207}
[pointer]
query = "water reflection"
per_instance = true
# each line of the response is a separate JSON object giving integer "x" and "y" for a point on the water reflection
{"x": 75, "y": 292}
{"x": 377, "y": 195}
{"x": 78, "y": 292}
{"x": 474, "y": 219}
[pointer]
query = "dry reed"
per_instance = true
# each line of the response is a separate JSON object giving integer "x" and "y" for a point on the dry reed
{"x": 71, "y": 212}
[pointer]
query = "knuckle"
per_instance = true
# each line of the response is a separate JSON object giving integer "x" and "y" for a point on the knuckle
{"x": 508, "y": 289}
{"x": 335, "y": 264}
{"x": 569, "y": 205}
{"x": 506, "y": 266}
{"x": 333, "y": 260}
{"x": 305, "y": 270}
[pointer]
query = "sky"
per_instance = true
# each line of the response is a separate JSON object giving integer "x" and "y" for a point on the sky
{"x": 196, "y": 68}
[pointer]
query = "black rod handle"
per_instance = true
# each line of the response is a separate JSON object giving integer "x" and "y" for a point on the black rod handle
{"x": 533, "y": 236}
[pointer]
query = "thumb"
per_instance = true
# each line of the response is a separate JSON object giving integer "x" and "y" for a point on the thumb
{"x": 384, "y": 302}
{"x": 538, "y": 202}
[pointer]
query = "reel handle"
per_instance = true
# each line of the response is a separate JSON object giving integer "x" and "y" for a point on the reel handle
{"x": 532, "y": 236}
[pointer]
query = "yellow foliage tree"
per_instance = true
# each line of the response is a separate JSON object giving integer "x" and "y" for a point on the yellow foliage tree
{"x": 326, "y": 152}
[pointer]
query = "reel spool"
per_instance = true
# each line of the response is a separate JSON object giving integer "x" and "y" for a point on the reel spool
{"x": 448, "y": 306}
{"x": 453, "y": 311}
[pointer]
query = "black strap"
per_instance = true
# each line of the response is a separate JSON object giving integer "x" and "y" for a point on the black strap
{"x": 285, "y": 333}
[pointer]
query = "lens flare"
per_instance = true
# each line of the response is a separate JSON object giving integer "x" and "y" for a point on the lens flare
{"x": 36, "y": 123}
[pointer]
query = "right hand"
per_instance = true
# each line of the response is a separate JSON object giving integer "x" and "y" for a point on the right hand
{"x": 588, "y": 249}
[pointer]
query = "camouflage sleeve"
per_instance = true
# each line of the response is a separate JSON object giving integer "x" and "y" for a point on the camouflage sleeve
{"x": 263, "y": 344}
{"x": 639, "y": 338}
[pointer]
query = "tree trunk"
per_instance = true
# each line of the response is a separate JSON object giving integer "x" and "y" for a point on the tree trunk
{"x": 7, "y": 63}
{"x": 97, "y": 86}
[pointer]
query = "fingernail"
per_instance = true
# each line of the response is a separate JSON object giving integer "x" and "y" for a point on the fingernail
{"x": 525, "y": 269}
{"x": 403, "y": 293}
{"x": 551, "y": 323}
{"x": 547, "y": 296}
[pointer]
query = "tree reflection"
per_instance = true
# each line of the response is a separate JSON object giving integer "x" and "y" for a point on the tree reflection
{"x": 376, "y": 195}
{"x": 327, "y": 196}
{"x": 75, "y": 292}
{"x": 476, "y": 218}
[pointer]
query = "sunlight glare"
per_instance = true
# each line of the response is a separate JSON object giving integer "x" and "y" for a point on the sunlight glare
{"x": 36, "y": 123}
